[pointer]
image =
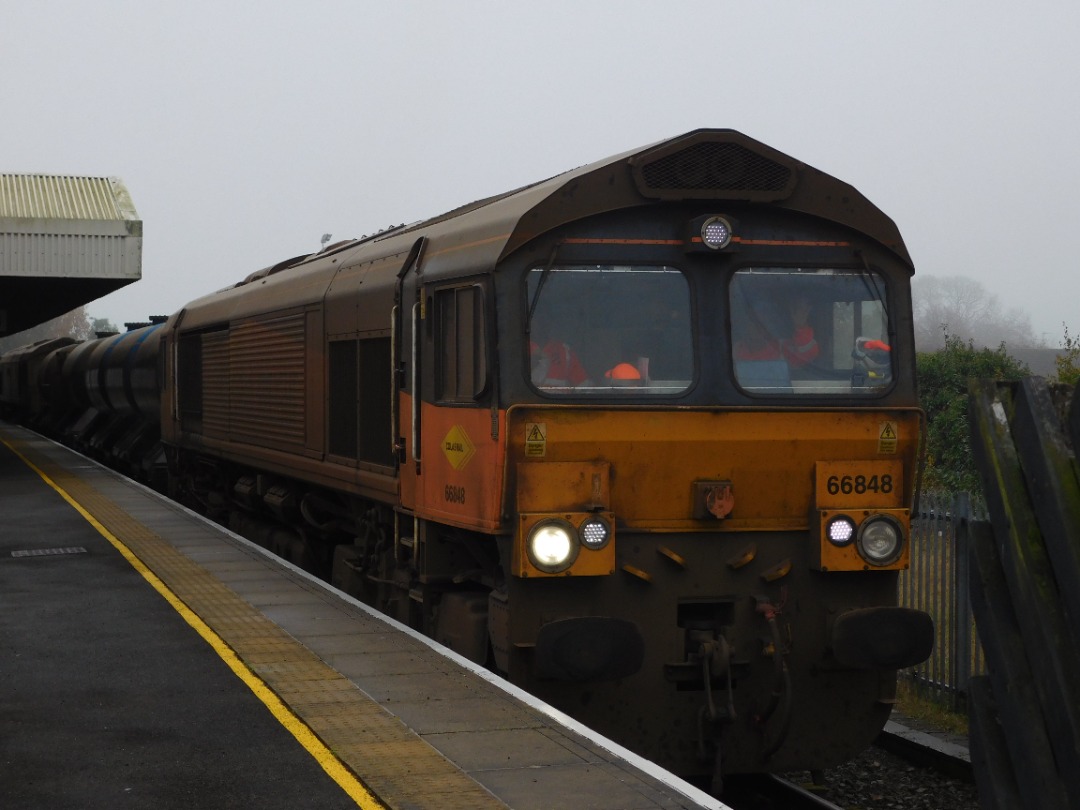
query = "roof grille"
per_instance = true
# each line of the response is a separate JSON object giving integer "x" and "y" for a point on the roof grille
{"x": 715, "y": 169}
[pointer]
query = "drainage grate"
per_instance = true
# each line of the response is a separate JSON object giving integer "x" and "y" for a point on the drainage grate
{"x": 47, "y": 552}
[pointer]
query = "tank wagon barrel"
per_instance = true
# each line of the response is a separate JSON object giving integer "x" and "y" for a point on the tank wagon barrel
{"x": 54, "y": 393}
{"x": 21, "y": 375}
{"x": 102, "y": 396}
{"x": 127, "y": 378}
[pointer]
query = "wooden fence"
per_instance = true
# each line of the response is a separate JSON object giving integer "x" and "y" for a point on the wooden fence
{"x": 1025, "y": 578}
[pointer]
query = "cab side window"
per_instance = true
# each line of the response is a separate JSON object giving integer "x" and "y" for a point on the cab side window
{"x": 461, "y": 344}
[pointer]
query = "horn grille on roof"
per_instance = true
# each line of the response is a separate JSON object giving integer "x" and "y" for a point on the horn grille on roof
{"x": 713, "y": 169}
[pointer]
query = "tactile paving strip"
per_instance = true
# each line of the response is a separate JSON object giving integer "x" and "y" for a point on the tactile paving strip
{"x": 393, "y": 762}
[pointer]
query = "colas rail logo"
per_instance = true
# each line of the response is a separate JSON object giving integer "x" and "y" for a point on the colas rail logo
{"x": 457, "y": 447}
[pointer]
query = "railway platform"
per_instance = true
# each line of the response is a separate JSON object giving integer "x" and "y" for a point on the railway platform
{"x": 149, "y": 658}
{"x": 927, "y": 745}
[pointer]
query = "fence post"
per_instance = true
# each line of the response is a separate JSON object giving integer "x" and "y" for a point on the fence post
{"x": 961, "y": 653}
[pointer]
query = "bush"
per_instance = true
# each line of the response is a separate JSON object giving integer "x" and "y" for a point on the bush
{"x": 1068, "y": 361}
{"x": 943, "y": 391}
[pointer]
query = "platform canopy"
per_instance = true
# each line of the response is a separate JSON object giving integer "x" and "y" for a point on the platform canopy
{"x": 64, "y": 241}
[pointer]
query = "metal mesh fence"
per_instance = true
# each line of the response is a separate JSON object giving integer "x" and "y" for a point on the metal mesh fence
{"x": 938, "y": 583}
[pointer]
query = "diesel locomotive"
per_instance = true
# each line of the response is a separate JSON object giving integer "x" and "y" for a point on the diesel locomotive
{"x": 643, "y": 436}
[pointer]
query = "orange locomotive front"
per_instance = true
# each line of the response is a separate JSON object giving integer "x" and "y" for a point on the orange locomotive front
{"x": 698, "y": 551}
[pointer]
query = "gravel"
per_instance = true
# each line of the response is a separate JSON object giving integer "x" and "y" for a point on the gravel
{"x": 878, "y": 780}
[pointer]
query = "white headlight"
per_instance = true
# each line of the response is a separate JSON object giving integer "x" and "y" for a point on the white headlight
{"x": 716, "y": 233}
{"x": 595, "y": 533}
{"x": 840, "y": 531}
{"x": 552, "y": 546}
{"x": 881, "y": 539}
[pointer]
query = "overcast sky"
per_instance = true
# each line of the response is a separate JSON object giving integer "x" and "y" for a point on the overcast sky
{"x": 246, "y": 130}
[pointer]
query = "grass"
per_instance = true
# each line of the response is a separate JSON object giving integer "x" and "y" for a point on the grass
{"x": 924, "y": 710}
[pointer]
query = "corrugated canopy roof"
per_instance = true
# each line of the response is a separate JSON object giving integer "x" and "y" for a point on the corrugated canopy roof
{"x": 42, "y": 196}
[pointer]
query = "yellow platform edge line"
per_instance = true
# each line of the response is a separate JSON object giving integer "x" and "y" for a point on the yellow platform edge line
{"x": 333, "y": 766}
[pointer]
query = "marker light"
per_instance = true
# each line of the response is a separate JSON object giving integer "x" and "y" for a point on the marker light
{"x": 840, "y": 531}
{"x": 552, "y": 546}
{"x": 881, "y": 539}
{"x": 595, "y": 533}
{"x": 716, "y": 233}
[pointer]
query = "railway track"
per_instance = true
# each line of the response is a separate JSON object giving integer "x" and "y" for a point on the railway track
{"x": 771, "y": 792}
{"x": 906, "y": 768}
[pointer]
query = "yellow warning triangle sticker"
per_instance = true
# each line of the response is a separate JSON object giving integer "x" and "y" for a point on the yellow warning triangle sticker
{"x": 535, "y": 435}
{"x": 887, "y": 438}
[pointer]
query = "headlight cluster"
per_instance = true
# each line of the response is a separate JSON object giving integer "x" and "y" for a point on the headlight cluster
{"x": 879, "y": 539}
{"x": 553, "y": 544}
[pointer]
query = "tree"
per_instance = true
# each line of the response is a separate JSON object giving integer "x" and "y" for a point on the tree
{"x": 963, "y": 308}
{"x": 103, "y": 325}
{"x": 74, "y": 324}
{"x": 1068, "y": 360}
{"x": 943, "y": 380}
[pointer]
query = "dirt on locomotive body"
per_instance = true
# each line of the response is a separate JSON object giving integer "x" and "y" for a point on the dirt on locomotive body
{"x": 643, "y": 437}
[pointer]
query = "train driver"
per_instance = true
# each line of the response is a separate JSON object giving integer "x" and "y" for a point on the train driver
{"x": 554, "y": 363}
{"x": 766, "y": 337}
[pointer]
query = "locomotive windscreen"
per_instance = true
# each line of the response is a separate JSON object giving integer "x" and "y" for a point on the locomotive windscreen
{"x": 610, "y": 330}
{"x": 799, "y": 331}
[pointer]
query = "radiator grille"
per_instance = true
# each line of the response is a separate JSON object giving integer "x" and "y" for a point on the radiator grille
{"x": 215, "y": 399}
{"x": 267, "y": 366}
{"x": 715, "y": 168}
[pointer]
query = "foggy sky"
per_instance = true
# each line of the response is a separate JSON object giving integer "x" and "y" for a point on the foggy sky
{"x": 246, "y": 130}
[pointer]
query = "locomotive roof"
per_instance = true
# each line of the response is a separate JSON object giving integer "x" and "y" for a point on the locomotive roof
{"x": 706, "y": 164}
{"x": 719, "y": 165}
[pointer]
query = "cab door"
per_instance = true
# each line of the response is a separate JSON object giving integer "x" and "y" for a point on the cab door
{"x": 458, "y": 422}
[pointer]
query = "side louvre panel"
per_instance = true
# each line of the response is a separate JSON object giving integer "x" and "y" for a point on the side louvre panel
{"x": 215, "y": 404}
{"x": 266, "y": 364}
